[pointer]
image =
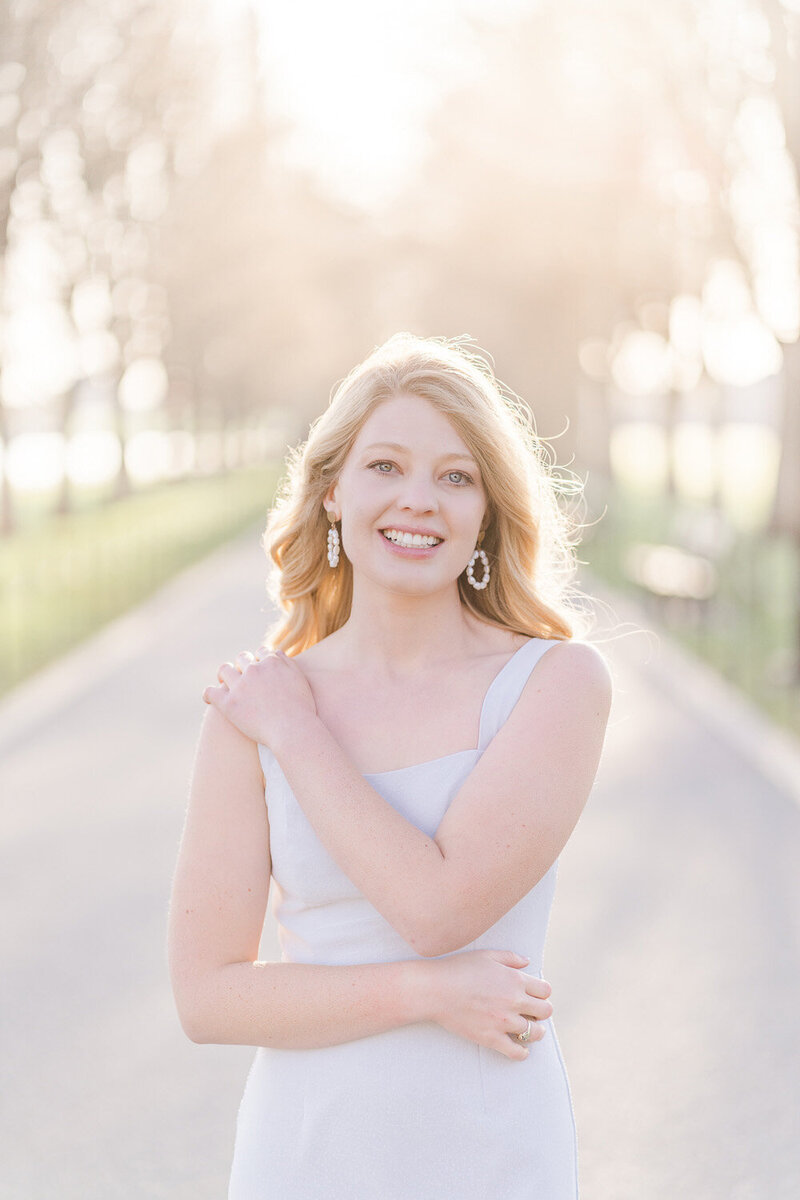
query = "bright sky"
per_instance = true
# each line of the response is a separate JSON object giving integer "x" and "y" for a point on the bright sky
{"x": 359, "y": 76}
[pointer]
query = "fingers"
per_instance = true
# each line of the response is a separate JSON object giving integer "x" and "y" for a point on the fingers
{"x": 226, "y": 675}
{"x": 509, "y": 1044}
{"x": 536, "y": 1003}
{"x": 509, "y": 1047}
{"x": 535, "y": 986}
{"x": 538, "y": 1010}
{"x": 228, "y": 672}
{"x": 510, "y": 958}
{"x": 265, "y": 652}
{"x": 537, "y": 1030}
{"x": 242, "y": 660}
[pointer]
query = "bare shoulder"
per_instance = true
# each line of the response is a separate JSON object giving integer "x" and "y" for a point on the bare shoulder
{"x": 318, "y": 655}
{"x": 576, "y": 668}
{"x": 323, "y": 656}
{"x": 226, "y": 746}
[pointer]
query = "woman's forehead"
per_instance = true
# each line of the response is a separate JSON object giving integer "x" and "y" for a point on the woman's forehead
{"x": 410, "y": 423}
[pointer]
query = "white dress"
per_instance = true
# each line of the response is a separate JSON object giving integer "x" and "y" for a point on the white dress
{"x": 416, "y": 1113}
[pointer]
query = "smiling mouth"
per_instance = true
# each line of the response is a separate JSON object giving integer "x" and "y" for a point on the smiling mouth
{"x": 411, "y": 541}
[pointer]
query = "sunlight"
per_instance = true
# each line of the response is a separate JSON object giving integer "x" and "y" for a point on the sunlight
{"x": 749, "y": 455}
{"x": 34, "y": 460}
{"x": 359, "y": 78}
{"x": 694, "y": 460}
{"x": 643, "y": 364}
{"x": 93, "y": 457}
{"x": 741, "y": 351}
{"x": 29, "y": 375}
{"x": 639, "y": 456}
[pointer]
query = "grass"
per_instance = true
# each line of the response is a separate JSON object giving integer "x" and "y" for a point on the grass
{"x": 748, "y": 629}
{"x": 63, "y": 577}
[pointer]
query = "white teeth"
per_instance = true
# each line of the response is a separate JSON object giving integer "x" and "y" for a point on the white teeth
{"x": 410, "y": 539}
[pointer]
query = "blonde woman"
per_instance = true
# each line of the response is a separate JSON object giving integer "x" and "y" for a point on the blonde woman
{"x": 425, "y": 730}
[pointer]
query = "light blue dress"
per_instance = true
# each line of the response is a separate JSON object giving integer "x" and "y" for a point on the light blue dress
{"x": 417, "y": 1112}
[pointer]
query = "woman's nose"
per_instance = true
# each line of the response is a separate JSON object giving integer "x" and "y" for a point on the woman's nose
{"x": 418, "y": 494}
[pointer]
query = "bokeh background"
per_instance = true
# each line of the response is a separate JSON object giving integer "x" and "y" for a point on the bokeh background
{"x": 209, "y": 212}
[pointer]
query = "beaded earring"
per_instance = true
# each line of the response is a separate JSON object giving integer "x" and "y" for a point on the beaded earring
{"x": 333, "y": 542}
{"x": 476, "y": 554}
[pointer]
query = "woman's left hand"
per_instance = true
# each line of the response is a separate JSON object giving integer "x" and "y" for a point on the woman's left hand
{"x": 262, "y": 694}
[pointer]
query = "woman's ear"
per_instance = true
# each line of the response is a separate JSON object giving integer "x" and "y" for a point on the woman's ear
{"x": 329, "y": 499}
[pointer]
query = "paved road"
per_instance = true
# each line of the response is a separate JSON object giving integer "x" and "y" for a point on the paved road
{"x": 673, "y": 949}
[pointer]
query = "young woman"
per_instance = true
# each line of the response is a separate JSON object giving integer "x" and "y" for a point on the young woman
{"x": 426, "y": 730}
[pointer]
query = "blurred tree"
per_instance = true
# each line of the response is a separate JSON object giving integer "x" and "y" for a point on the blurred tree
{"x": 24, "y": 32}
{"x": 586, "y": 168}
{"x": 582, "y": 174}
{"x": 785, "y": 31}
{"x": 785, "y": 36}
{"x": 105, "y": 97}
{"x": 539, "y": 221}
{"x": 272, "y": 284}
{"x": 143, "y": 108}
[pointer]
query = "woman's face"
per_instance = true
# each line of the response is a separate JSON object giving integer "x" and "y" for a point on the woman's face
{"x": 409, "y": 471}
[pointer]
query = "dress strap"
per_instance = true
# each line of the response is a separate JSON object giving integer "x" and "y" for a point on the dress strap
{"x": 507, "y": 686}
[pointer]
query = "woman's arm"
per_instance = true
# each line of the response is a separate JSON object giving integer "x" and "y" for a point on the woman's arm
{"x": 503, "y": 830}
{"x": 294, "y": 1006}
{"x": 219, "y": 897}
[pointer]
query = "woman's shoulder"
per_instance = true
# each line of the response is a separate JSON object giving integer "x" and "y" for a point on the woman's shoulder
{"x": 576, "y": 658}
{"x": 323, "y": 656}
{"x": 579, "y": 663}
{"x": 329, "y": 654}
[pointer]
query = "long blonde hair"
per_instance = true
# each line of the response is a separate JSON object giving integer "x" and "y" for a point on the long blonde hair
{"x": 528, "y": 537}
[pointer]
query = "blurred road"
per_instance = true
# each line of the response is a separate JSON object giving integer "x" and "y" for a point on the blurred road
{"x": 673, "y": 948}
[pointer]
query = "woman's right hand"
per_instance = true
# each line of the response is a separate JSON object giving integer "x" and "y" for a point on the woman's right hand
{"x": 484, "y": 995}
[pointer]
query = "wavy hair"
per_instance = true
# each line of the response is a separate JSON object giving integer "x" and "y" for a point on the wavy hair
{"x": 529, "y": 538}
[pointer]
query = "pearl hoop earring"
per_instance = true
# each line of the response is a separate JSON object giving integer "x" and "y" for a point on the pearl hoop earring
{"x": 333, "y": 542}
{"x": 476, "y": 554}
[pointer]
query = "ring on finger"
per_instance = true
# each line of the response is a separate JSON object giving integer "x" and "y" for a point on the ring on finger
{"x": 523, "y": 1037}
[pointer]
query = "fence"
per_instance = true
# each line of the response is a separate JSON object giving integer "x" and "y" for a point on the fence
{"x": 731, "y": 597}
{"x": 65, "y": 578}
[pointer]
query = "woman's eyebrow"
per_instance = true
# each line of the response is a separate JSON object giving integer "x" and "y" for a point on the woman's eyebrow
{"x": 398, "y": 446}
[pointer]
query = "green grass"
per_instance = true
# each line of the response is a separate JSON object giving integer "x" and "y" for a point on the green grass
{"x": 748, "y": 630}
{"x": 63, "y": 577}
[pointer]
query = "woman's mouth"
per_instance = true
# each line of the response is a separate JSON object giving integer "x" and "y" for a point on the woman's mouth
{"x": 410, "y": 545}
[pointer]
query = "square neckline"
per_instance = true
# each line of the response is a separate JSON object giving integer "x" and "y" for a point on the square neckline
{"x": 471, "y": 749}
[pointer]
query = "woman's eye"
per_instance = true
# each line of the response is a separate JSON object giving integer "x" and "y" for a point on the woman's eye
{"x": 462, "y": 481}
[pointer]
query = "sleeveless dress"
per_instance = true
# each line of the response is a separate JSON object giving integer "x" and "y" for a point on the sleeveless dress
{"x": 417, "y": 1112}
